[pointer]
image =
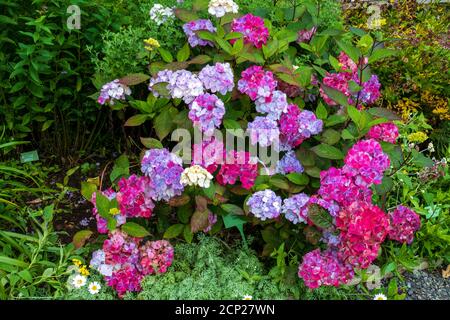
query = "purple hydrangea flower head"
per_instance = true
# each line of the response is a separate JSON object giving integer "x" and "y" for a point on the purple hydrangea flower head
{"x": 370, "y": 91}
{"x": 161, "y": 76}
{"x": 206, "y": 112}
{"x": 114, "y": 90}
{"x": 309, "y": 124}
{"x": 196, "y": 25}
{"x": 404, "y": 222}
{"x": 164, "y": 170}
{"x": 263, "y": 131}
{"x": 265, "y": 204}
{"x": 295, "y": 208}
{"x": 186, "y": 85}
{"x": 289, "y": 164}
{"x": 217, "y": 78}
{"x": 276, "y": 105}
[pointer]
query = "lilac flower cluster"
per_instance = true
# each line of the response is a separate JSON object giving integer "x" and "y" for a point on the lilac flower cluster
{"x": 197, "y": 25}
{"x": 217, "y": 78}
{"x": 114, "y": 90}
{"x": 289, "y": 164}
{"x": 206, "y": 112}
{"x": 164, "y": 170}
{"x": 404, "y": 222}
{"x": 274, "y": 106}
{"x": 265, "y": 204}
{"x": 162, "y": 76}
{"x": 186, "y": 85}
{"x": 295, "y": 208}
{"x": 263, "y": 131}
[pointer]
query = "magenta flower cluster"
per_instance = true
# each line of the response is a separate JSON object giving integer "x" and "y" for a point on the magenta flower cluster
{"x": 197, "y": 25}
{"x": 206, "y": 112}
{"x": 133, "y": 197}
{"x": 156, "y": 257}
{"x": 387, "y": 132}
{"x": 217, "y": 78}
{"x": 265, "y": 204}
{"x": 123, "y": 261}
{"x": 366, "y": 163}
{"x": 324, "y": 269}
{"x": 263, "y": 131}
{"x": 238, "y": 165}
{"x": 404, "y": 222}
{"x": 164, "y": 170}
{"x": 253, "y": 29}
{"x": 209, "y": 154}
{"x": 363, "y": 228}
{"x": 297, "y": 125}
{"x": 257, "y": 83}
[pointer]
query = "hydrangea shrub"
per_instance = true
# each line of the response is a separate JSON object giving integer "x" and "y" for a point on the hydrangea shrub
{"x": 336, "y": 151}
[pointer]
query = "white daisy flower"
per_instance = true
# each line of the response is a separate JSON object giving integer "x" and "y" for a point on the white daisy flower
{"x": 380, "y": 296}
{"x": 247, "y": 298}
{"x": 94, "y": 287}
{"x": 79, "y": 281}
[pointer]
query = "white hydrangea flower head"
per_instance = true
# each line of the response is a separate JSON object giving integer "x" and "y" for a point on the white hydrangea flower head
{"x": 161, "y": 14}
{"x": 219, "y": 8}
{"x": 196, "y": 176}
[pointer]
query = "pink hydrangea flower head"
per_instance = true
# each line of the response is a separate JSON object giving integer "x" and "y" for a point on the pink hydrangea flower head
{"x": 120, "y": 248}
{"x": 263, "y": 131}
{"x": 337, "y": 81}
{"x": 324, "y": 269}
{"x": 366, "y": 162}
{"x": 197, "y": 25}
{"x": 257, "y": 83}
{"x": 217, "y": 78}
{"x": 164, "y": 170}
{"x": 132, "y": 198}
{"x": 156, "y": 257}
{"x": 274, "y": 106}
{"x": 238, "y": 165}
{"x": 206, "y": 112}
{"x": 253, "y": 29}
{"x": 295, "y": 208}
{"x": 125, "y": 279}
{"x": 265, "y": 204}
{"x": 387, "y": 132}
{"x": 363, "y": 228}
{"x": 404, "y": 223}
{"x": 209, "y": 154}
